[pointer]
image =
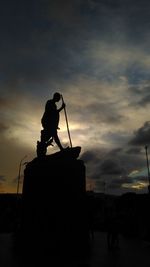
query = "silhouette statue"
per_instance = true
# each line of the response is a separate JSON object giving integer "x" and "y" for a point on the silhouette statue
{"x": 50, "y": 121}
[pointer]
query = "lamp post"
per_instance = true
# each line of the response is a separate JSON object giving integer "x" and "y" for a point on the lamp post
{"x": 148, "y": 171}
{"x": 19, "y": 173}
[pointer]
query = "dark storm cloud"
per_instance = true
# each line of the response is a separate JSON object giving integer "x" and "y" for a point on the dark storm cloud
{"x": 140, "y": 94}
{"x": 130, "y": 16}
{"x": 111, "y": 167}
{"x": 106, "y": 112}
{"x": 43, "y": 39}
{"x": 134, "y": 89}
{"x": 145, "y": 100}
{"x": 116, "y": 137}
{"x": 2, "y": 178}
{"x": 115, "y": 152}
{"x": 142, "y": 135}
{"x": 122, "y": 180}
{"x": 42, "y": 46}
{"x": 98, "y": 155}
{"x": 104, "y": 162}
{"x": 3, "y": 102}
{"x": 3, "y": 127}
{"x": 134, "y": 150}
{"x": 27, "y": 40}
{"x": 89, "y": 156}
{"x": 99, "y": 116}
{"x": 94, "y": 158}
{"x": 114, "y": 184}
{"x": 117, "y": 183}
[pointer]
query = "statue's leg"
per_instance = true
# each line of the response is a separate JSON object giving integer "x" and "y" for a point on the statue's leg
{"x": 42, "y": 146}
{"x": 41, "y": 149}
{"x": 56, "y": 138}
{"x": 49, "y": 142}
{"x": 44, "y": 136}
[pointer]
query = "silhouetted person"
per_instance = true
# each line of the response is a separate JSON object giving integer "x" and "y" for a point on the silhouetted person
{"x": 112, "y": 225}
{"x": 50, "y": 121}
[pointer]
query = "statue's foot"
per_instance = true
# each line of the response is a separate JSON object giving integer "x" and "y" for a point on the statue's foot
{"x": 41, "y": 149}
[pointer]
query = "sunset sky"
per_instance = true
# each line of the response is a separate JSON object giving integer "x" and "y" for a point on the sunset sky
{"x": 97, "y": 54}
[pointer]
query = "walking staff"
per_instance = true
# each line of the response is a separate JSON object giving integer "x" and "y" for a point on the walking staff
{"x": 67, "y": 121}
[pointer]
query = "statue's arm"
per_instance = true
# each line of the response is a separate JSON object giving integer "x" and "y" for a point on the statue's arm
{"x": 62, "y": 107}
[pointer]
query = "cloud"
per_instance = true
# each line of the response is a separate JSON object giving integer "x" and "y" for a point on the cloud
{"x": 3, "y": 127}
{"x": 97, "y": 54}
{"x": 2, "y": 178}
{"x": 119, "y": 185}
{"x": 114, "y": 184}
{"x": 142, "y": 135}
{"x": 103, "y": 162}
{"x": 134, "y": 150}
{"x": 145, "y": 100}
{"x": 139, "y": 93}
{"x": 111, "y": 115}
{"x": 70, "y": 24}
{"x": 111, "y": 167}
{"x": 89, "y": 156}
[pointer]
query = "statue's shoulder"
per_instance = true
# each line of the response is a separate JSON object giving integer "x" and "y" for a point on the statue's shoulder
{"x": 49, "y": 104}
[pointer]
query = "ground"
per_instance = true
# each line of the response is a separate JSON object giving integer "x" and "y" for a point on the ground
{"x": 131, "y": 252}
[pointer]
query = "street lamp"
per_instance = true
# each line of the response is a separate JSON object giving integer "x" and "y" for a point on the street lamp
{"x": 146, "y": 147}
{"x": 20, "y": 164}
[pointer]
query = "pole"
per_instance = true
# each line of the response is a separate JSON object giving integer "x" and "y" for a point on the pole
{"x": 146, "y": 147}
{"x": 19, "y": 174}
{"x": 67, "y": 122}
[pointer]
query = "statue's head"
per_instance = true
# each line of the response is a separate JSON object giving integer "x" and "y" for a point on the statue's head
{"x": 56, "y": 96}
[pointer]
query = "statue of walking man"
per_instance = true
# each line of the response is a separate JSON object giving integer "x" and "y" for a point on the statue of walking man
{"x": 50, "y": 122}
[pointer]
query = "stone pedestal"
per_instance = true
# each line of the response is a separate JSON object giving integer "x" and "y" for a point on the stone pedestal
{"x": 54, "y": 201}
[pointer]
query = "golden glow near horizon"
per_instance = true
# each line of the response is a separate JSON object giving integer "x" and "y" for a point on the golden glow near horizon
{"x": 136, "y": 185}
{"x": 90, "y": 184}
{"x": 138, "y": 173}
{"x": 134, "y": 173}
